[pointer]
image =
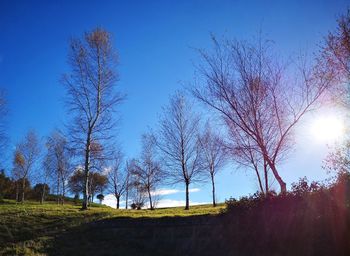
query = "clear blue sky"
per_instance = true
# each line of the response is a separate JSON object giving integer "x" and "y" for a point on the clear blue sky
{"x": 154, "y": 40}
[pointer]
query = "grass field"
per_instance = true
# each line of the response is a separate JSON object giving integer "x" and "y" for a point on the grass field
{"x": 34, "y": 229}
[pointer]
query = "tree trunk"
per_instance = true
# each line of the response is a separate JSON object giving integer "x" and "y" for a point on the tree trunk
{"x": 63, "y": 191}
{"x": 187, "y": 207}
{"x": 150, "y": 199}
{"x": 213, "y": 188}
{"x": 282, "y": 184}
{"x": 23, "y": 187}
{"x": 126, "y": 198}
{"x": 266, "y": 180}
{"x": 259, "y": 178}
{"x": 85, "y": 193}
{"x": 118, "y": 199}
{"x": 42, "y": 195}
{"x": 17, "y": 191}
{"x": 58, "y": 188}
{"x": 86, "y": 172}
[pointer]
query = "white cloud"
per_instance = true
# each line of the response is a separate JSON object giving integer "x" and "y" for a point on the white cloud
{"x": 106, "y": 170}
{"x": 111, "y": 201}
{"x": 165, "y": 203}
{"x": 163, "y": 192}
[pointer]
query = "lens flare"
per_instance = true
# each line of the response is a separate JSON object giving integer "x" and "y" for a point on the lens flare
{"x": 328, "y": 129}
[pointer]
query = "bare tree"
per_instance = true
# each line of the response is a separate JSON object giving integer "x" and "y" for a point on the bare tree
{"x": 91, "y": 97}
{"x": 128, "y": 169}
{"x": 251, "y": 91}
{"x": 214, "y": 154}
{"x": 26, "y": 155}
{"x": 58, "y": 162}
{"x": 245, "y": 153}
{"x": 117, "y": 177}
{"x": 338, "y": 159}
{"x": 179, "y": 144}
{"x": 137, "y": 189}
{"x": 148, "y": 170}
{"x": 336, "y": 52}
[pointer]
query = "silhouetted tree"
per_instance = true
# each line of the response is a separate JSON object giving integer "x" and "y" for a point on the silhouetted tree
{"x": 338, "y": 159}
{"x": 335, "y": 57}
{"x": 40, "y": 191}
{"x": 251, "y": 91}
{"x": 214, "y": 154}
{"x": 178, "y": 142}
{"x": 91, "y": 96}
{"x": 100, "y": 197}
{"x": 246, "y": 154}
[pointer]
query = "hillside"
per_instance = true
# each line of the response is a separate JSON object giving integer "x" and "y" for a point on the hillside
{"x": 34, "y": 229}
{"x": 307, "y": 221}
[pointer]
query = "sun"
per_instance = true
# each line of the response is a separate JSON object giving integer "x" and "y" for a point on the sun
{"x": 328, "y": 129}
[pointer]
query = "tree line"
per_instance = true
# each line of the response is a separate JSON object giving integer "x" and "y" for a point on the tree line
{"x": 255, "y": 97}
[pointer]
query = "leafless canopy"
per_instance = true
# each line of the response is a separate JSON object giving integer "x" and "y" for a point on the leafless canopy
{"x": 26, "y": 155}
{"x": 335, "y": 58}
{"x": 58, "y": 162}
{"x": 91, "y": 95}
{"x": 259, "y": 104}
{"x": 179, "y": 144}
{"x": 148, "y": 169}
{"x": 117, "y": 177}
{"x": 214, "y": 154}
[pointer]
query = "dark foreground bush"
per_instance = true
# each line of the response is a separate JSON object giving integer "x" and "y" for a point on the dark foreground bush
{"x": 315, "y": 222}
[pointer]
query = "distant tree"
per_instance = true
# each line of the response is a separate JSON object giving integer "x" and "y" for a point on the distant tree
{"x": 20, "y": 189}
{"x": 246, "y": 154}
{"x": 100, "y": 197}
{"x": 91, "y": 97}
{"x": 178, "y": 143}
{"x": 137, "y": 190}
{"x": 97, "y": 183}
{"x": 250, "y": 90}
{"x": 335, "y": 57}
{"x": 128, "y": 169}
{"x": 26, "y": 155}
{"x": 76, "y": 181}
{"x": 117, "y": 177}
{"x": 58, "y": 162}
{"x": 40, "y": 191}
{"x": 302, "y": 187}
{"x": 148, "y": 170}
{"x": 214, "y": 154}
{"x": 338, "y": 159}
{"x": 6, "y": 185}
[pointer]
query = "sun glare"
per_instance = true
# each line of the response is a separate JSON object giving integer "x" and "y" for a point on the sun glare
{"x": 328, "y": 129}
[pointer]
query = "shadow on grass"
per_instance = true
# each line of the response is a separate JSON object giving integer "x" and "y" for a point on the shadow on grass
{"x": 192, "y": 235}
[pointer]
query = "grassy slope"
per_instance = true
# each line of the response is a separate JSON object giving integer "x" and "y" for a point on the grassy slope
{"x": 32, "y": 229}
